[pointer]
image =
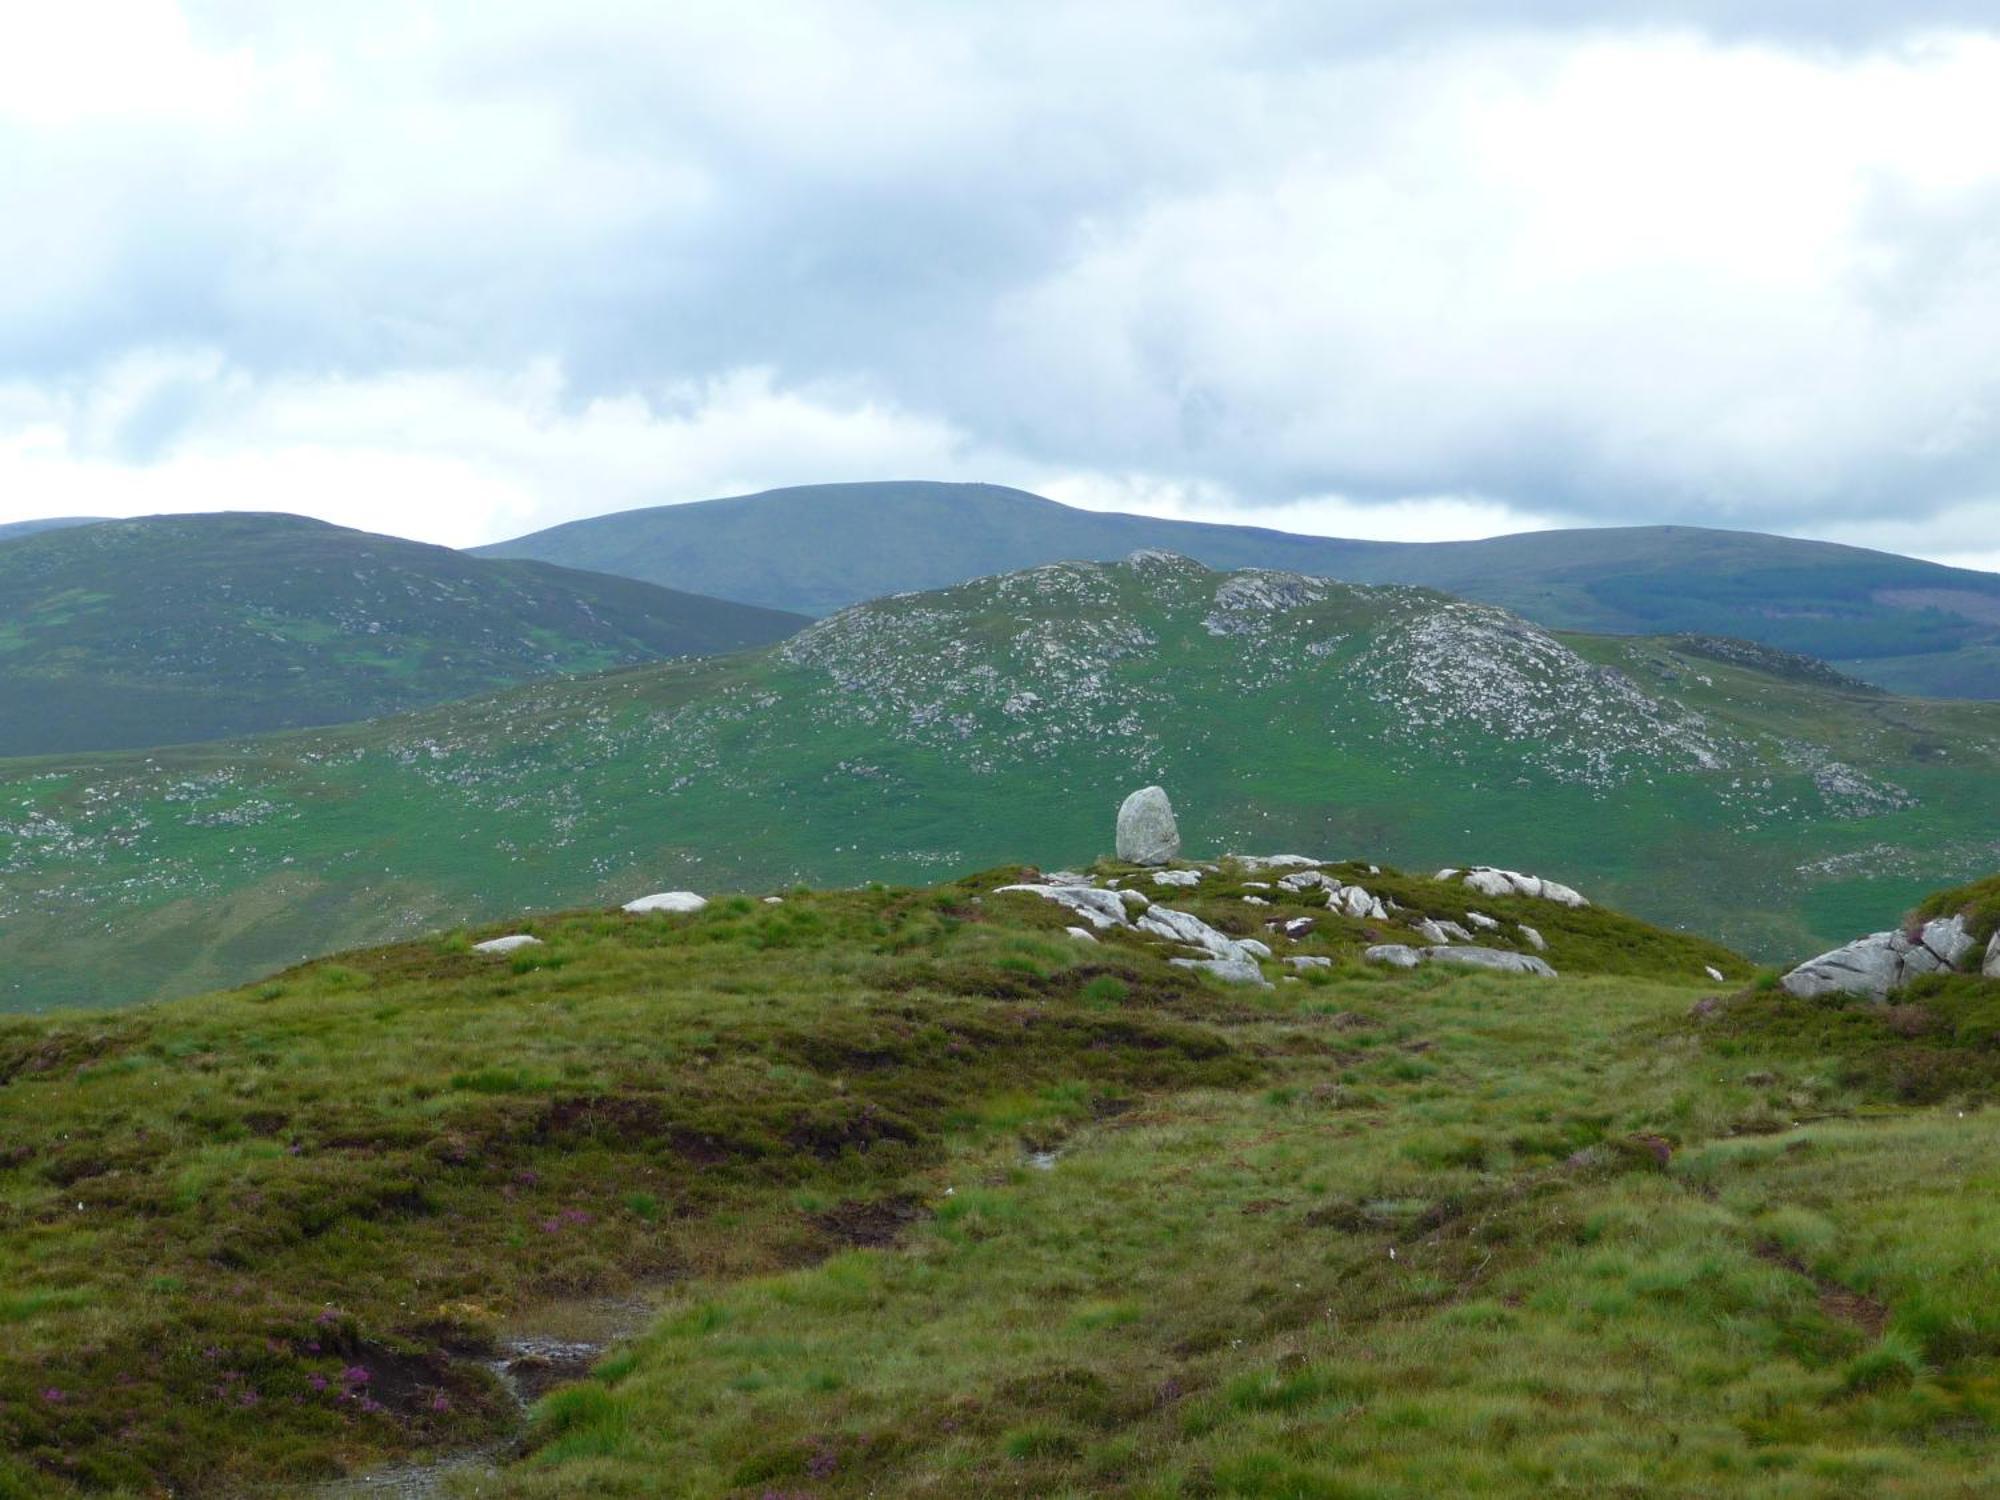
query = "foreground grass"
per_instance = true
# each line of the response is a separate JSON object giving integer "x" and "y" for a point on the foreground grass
{"x": 930, "y": 1199}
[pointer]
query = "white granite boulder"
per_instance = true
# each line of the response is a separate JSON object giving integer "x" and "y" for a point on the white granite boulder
{"x": 1099, "y": 908}
{"x": 1491, "y": 882}
{"x": 511, "y": 944}
{"x": 1395, "y": 955}
{"x": 1147, "y": 832}
{"x": 1491, "y": 958}
{"x": 1883, "y": 962}
{"x": 667, "y": 901}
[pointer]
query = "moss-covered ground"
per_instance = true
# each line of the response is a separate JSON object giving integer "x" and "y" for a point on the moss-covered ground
{"x": 913, "y": 1194}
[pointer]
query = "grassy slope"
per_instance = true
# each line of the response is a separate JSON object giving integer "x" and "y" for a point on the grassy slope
{"x": 901, "y": 742}
{"x": 1908, "y": 625}
{"x": 195, "y": 627}
{"x": 1367, "y": 1234}
{"x": 12, "y": 530}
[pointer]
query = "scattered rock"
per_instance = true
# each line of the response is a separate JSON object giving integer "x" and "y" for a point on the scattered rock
{"x": 1136, "y": 900}
{"x": 1992, "y": 966}
{"x": 774, "y": 900}
{"x": 1099, "y": 908}
{"x": 1533, "y": 938}
{"x": 1882, "y": 962}
{"x": 1301, "y": 880}
{"x": 1309, "y": 961}
{"x": 1274, "y": 861}
{"x": 1293, "y": 927}
{"x": 1147, "y": 832}
{"x": 668, "y": 901}
{"x": 1066, "y": 877}
{"x": 511, "y": 944}
{"x": 1483, "y": 922}
{"x": 1255, "y": 901}
{"x": 1186, "y": 878}
{"x": 1081, "y": 934}
{"x": 1353, "y": 901}
{"x": 1714, "y": 973}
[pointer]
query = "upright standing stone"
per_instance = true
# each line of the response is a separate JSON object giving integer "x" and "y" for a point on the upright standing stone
{"x": 1147, "y": 833}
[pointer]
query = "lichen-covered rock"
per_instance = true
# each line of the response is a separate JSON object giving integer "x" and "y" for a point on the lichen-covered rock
{"x": 1490, "y": 958}
{"x": 1396, "y": 955}
{"x": 1187, "y": 878}
{"x": 1147, "y": 832}
{"x": 1275, "y": 861}
{"x": 1401, "y": 956}
{"x": 667, "y": 901}
{"x": 1235, "y": 970}
{"x": 1883, "y": 962}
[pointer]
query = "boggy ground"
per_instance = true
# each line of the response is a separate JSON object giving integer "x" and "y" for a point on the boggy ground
{"x": 934, "y": 1200}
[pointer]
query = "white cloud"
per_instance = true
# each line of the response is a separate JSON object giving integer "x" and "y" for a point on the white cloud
{"x": 1381, "y": 270}
{"x": 451, "y": 457}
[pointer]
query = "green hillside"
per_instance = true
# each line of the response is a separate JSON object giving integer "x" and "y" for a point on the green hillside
{"x": 907, "y": 1192}
{"x": 182, "y": 628}
{"x": 911, "y": 737}
{"x": 1910, "y": 626}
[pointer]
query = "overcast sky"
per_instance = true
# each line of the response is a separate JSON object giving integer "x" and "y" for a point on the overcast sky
{"x": 457, "y": 271}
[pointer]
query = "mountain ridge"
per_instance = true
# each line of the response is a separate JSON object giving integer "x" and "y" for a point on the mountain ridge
{"x": 1905, "y": 624}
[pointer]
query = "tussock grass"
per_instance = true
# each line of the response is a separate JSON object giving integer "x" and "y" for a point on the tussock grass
{"x": 927, "y": 1199}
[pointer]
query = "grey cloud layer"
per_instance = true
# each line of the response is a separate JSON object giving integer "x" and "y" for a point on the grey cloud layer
{"x": 1280, "y": 250}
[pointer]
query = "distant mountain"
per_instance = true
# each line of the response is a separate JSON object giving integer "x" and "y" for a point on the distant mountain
{"x": 180, "y": 628}
{"x": 1910, "y": 626}
{"x": 1735, "y": 793}
{"x": 11, "y": 529}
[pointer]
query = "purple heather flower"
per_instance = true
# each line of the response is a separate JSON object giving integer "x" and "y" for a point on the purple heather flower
{"x": 440, "y": 1402}
{"x": 54, "y": 1396}
{"x": 356, "y": 1375}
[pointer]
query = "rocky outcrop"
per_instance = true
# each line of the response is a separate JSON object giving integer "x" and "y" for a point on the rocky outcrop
{"x": 1099, "y": 908}
{"x": 1491, "y": 882}
{"x": 1147, "y": 832}
{"x": 1228, "y": 958}
{"x": 1883, "y": 962}
{"x": 1402, "y": 956}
